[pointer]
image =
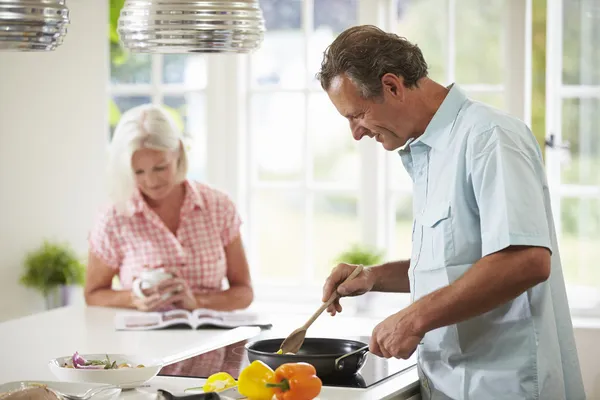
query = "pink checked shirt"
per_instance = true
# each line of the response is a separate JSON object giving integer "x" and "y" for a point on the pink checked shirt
{"x": 138, "y": 239}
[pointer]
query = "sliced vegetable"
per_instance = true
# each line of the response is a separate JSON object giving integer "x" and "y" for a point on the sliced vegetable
{"x": 295, "y": 381}
{"x": 253, "y": 381}
{"x": 79, "y": 362}
{"x": 216, "y": 383}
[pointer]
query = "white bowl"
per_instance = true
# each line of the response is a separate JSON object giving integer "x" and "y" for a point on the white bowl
{"x": 124, "y": 377}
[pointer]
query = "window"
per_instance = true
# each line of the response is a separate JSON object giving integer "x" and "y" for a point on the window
{"x": 177, "y": 82}
{"x": 573, "y": 151}
{"x": 310, "y": 195}
{"x": 306, "y": 190}
{"x": 303, "y": 175}
{"x": 462, "y": 42}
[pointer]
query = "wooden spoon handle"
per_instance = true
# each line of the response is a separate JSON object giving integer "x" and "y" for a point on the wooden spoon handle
{"x": 333, "y": 297}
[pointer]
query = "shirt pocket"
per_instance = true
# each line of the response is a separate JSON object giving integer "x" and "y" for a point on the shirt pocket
{"x": 437, "y": 248}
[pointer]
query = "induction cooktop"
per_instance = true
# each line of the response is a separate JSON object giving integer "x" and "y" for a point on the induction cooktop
{"x": 232, "y": 359}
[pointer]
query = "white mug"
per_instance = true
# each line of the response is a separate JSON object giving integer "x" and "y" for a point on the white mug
{"x": 148, "y": 279}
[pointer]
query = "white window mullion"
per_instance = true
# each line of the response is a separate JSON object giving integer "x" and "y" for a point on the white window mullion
{"x": 307, "y": 27}
{"x": 554, "y": 67}
{"x": 517, "y": 58}
{"x": 579, "y": 92}
{"x": 451, "y": 43}
{"x": 157, "y": 67}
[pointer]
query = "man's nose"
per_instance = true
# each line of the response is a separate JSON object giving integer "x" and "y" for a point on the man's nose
{"x": 359, "y": 131}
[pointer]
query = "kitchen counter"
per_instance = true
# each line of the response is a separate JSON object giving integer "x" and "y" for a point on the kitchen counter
{"x": 26, "y": 345}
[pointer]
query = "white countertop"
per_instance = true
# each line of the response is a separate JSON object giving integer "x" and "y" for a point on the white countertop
{"x": 26, "y": 345}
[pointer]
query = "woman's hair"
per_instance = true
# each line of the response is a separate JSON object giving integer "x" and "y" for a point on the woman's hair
{"x": 147, "y": 126}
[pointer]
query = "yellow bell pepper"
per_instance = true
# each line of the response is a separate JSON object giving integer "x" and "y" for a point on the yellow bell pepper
{"x": 217, "y": 383}
{"x": 253, "y": 380}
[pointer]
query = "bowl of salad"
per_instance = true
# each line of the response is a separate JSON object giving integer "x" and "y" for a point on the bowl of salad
{"x": 125, "y": 371}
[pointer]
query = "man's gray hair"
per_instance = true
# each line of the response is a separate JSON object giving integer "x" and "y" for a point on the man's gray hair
{"x": 365, "y": 54}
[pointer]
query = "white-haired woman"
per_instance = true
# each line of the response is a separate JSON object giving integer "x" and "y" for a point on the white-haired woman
{"x": 159, "y": 219}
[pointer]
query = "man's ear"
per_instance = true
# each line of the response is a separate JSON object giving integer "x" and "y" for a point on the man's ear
{"x": 393, "y": 85}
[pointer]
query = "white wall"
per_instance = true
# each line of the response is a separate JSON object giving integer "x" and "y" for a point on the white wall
{"x": 52, "y": 136}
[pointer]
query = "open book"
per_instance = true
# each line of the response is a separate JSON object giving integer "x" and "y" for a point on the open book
{"x": 183, "y": 319}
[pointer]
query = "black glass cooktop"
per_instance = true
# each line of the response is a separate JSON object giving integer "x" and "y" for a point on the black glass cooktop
{"x": 232, "y": 359}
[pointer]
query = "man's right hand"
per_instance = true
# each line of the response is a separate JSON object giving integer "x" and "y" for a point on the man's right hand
{"x": 363, "y": 283}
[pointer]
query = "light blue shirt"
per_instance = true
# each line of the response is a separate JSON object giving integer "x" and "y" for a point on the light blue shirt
{"x": 479, "y": 187}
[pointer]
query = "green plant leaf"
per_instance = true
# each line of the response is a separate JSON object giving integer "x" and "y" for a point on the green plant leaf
{"x": 114, "y": 114}
{"x": 50, "y": 266}
{"x": 361, "y": 254}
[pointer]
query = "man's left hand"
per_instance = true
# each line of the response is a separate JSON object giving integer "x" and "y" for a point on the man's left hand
{"x": 396, "y": 336}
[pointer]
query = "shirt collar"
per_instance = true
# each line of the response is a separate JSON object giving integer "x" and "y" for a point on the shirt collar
{"x": 192, "y": 200}
{"x": 438, "y": 131}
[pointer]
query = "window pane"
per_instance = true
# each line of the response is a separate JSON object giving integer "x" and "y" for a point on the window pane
{"x": 120, "y": 104}
{"x": 402, "y": 240}
{"x": 190, "y": 113}
{"x": 277, "y": 129}
{"x": 579, "y": 241}
{"x": 479, "y": 41}
{"x": 280, "y": 59}
{"x": 279, "y": 234}
{"x": 335, "y": 153}
{"x": 425, "y": 23}
{"x": 185, "y": 69}
{"x": 335, "y": 228}
{"x": 133, "y": 68}
{"x": 331, "y": 17}
{"x": 581, "y": 35}
{"x": 581, "y": 128}
{"x": 493, "y": 99}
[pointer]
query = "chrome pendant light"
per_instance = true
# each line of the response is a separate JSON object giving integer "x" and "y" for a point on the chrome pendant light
{"x": 32, "y": 25}
{"x": 191, "y": 26}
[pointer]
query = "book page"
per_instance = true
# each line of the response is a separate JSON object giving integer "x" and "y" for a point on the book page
{"x": 139, "y": 321}
{"x": 202, "y": 313}
{"x": 177, "y": 316}
{"x": 227, "y": 319}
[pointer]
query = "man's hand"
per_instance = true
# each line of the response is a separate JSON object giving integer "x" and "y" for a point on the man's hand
{"x": 395, "y": 336}
{"x": 361, "y": 284}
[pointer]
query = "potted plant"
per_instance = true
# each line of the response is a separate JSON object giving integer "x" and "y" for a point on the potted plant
{"x": 53, "y": 269}
{"x": 361, "y": 254}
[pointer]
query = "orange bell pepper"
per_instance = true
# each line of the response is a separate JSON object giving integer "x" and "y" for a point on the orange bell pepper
{"x": 295, "y": 381}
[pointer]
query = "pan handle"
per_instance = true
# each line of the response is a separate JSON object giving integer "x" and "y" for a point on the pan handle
{"x": 339, "y": 362}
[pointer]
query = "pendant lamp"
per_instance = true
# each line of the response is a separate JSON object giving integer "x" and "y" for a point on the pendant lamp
{"x": 191, "y": 26}
{"x": 32, "y": 25}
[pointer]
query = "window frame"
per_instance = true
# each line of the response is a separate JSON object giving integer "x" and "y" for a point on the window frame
{"x": 556, "y": 92}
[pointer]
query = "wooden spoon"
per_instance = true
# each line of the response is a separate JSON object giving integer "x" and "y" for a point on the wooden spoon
{"x": 295, "y": 340}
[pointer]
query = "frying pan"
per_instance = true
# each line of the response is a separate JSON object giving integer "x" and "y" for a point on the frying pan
{"x": 336, "y": 358}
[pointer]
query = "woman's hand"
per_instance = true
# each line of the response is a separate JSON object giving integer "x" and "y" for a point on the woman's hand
{"x": 153, "y": 301}
{"x": 178, "y": 292}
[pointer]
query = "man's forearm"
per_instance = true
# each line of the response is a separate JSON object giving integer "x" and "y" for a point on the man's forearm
{"x": 489, "y": 283}
{"x": 392, "y": 277}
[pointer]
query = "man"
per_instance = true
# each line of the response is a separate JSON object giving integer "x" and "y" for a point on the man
{"x": 489, "y": 316}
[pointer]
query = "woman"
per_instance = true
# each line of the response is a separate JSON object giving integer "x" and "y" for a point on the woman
{"x": 159, "y": 219}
